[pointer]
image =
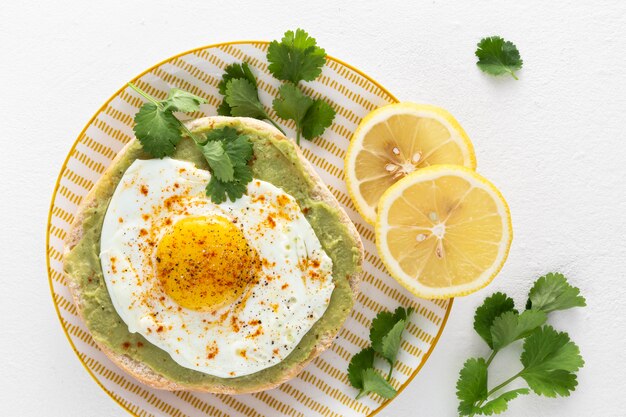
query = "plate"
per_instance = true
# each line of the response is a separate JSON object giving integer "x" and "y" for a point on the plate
{"x": 322, "y": 389}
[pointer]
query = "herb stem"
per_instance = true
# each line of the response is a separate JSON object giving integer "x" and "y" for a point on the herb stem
{"x": 490, "y": 359}
{"x": 159, "y": 105}
{"x": 188, "y": 132}
{"x": 298, "y": 137}
{"x": 504, "y": 384}
{"x": 498, "y": 387}
{"x": 390, "y": 371}
{"x": 145, "y": 95}
{"x": 361, "y": 394}
{"x": 276, "y": 125}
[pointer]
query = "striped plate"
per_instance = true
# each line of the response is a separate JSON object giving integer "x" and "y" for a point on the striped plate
{"x": 322, "y": 388}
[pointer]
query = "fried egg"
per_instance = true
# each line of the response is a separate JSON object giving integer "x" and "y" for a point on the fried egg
{"x": 226, "y": 289}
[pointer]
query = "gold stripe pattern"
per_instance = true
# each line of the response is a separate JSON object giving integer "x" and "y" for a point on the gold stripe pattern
{"x": 322, "y": 389}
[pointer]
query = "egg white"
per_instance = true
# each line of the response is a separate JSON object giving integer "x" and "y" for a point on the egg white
{"x": 286, "y": 301}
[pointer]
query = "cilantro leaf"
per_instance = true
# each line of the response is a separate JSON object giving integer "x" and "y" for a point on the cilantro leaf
{"x": 157, "y": 130}
{"x": 472, "y": 390}
{"x": 385, "y": 335}
{"x": 383, "y": 323}
{"x": 235, "y": 71}
{"x": 549, "y": 359}
{"x": 232, "y": 72}
{"x": 391, "y": 341}
{"x": 182, "y": 101}
{"x": 511, "y": 326}
{"x": 552, "y": 292}
{"x": 243, "y": 99}
{"x": 218, "y": 160}
{"x": 319, "y": 117}
{"x": 296, "y": 58}
{"x": 236, "y": 152}
{"x": 311, "y": 117}
{"x": 472, "y": 385}
{"x": 223, "y": 109}
{"x": 226, "y": 152}
{"x": 374, "y": 382}
{"x": 292, "y": 104}
{"x": 501, "y": 403}
{"x": 361, "y": 361}
{"x": 220, "y": 190}
{"x": 492, "y": 307}
{"x": 239, "y": 150}
{"x": 497, "y": 56}
{"x": 224, "y": 134}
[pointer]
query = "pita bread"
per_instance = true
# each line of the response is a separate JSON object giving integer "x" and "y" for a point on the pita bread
{"x": 142, "y": 371}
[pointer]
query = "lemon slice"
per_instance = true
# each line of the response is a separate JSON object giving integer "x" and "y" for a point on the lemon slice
{"x": 395, "y": 140}
{"x": 443, "y": 231}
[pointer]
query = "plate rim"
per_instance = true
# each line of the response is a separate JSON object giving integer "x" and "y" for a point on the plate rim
{"x": 55, "y": 190}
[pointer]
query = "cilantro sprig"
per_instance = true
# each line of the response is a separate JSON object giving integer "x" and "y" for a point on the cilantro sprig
{"x": 294, "y": 59}
{"x": 385, "y": 337}
{"x": 241, "y": 94}
{"x": 226, "y": 152}
{"x": 497, "y": 56}
{"x": 549, "y": 358}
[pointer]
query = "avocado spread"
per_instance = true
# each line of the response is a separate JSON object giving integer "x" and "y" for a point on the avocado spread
{"x": 274, "y": 161}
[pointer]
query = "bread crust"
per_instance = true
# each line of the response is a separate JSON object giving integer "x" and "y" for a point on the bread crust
{"x": 143, "y": 372}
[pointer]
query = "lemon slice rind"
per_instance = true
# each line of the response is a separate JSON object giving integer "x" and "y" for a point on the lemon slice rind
{"x": 457, "y": 135}
{"x": 429, "y": 174}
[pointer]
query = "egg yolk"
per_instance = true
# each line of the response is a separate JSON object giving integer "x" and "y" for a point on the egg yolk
{"x": 204, "y": 263}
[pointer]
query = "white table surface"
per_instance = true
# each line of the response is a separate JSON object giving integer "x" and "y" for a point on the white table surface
{"x": 554, "y": 142}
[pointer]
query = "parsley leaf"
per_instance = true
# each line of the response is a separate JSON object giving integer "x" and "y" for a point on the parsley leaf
{"x": 383, "y": 323}
{"x": 361, "y": 361}
{"x": 501, "y": 403}
{"x": 182, "y": 101}
{"x": 510, "y": 326}
{"x": 374, "y": 382}
{"x": 157, "y": 130}
{"x": 232, "y": 72}
{"x": 549, "y": 360}
{"x": 243, "y": 99}
{"x": 472, "y": 385}
{"x": 497, "y": 56}
{"x": 552, "y": 292}
{"x": 319, "y": 117}
{"x": 492, "y": 307}
{"x": 296, "y": 58}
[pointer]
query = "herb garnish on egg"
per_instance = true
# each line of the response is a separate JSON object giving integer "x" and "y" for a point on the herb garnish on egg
{"x": 226, "y": 152}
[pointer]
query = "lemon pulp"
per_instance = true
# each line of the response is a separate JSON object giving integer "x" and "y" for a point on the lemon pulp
{"x": 443, "y": 231}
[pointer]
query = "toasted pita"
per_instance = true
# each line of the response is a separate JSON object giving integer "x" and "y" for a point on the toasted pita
{"x": 142, "y": 371}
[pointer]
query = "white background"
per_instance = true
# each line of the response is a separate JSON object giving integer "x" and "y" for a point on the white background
{"x": 553, "y": 142}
